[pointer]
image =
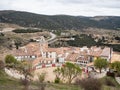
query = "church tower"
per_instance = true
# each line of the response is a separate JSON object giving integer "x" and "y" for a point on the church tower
{"x": 43, "y": 45}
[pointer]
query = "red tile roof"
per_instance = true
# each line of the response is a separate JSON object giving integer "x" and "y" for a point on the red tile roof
{"x": 72, "y": 57}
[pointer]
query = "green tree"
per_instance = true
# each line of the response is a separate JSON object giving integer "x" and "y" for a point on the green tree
{"x": 9, "y": 59}
{"x": 116, "y": 66}
{"x": 70, "y": 71}
{"x": 41, "y": 77}
{"x": 100, "y": 63}
{"x": 57, "y": 72}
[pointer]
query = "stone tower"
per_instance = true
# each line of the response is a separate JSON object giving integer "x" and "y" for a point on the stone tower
{"x": 43, "y": 44}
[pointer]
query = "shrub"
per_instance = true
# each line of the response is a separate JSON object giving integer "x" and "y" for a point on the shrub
{"x": 42, "y": 77}
{"x": 25, "y": 82}
{"x": 90, "y": 84}
{"x": 57, "y": 80}
{"x": 2, "y": 65}
{"x": 109, "y": 82}
{"x": 9, "y": 59}
{"x": 48, "y": 81}
{"x": 111, "y": 74}
{"x": 2, "y": 34}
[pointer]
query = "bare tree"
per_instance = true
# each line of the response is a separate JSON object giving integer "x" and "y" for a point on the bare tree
{"x": 26, "y": 70}
{"x": 41, "y": 79}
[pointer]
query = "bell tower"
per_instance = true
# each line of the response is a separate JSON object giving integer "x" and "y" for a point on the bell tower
{"x": 43, "y": 44}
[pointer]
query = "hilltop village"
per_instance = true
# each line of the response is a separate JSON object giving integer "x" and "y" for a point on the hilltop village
{"x": 59, "y": 52}
{"x": 41, "y": 55}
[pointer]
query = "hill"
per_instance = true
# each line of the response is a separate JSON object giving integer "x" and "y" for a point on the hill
{"x": 15, "y": 84}
{"x": 58, "y": 21}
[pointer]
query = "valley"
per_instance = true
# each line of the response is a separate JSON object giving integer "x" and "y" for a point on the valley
{"x": 37, "y": 51}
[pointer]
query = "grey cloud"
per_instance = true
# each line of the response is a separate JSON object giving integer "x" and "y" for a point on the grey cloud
{"x": 73, "y": 1}
{"x": 99, "y": 3}
{"x": 72, "y": 7}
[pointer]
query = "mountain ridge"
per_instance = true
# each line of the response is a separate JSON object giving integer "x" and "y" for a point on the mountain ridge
{"x": 57, "y": 22}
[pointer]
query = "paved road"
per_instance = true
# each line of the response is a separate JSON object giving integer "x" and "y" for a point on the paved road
{"x": 51, "y": 40}
{"x": 53, "y": 36}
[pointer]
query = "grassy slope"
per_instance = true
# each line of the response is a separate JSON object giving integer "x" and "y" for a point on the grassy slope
{"x": 7, "y": 82}
{"x": 106, "y": 87}
{"x": 10, "y": 83}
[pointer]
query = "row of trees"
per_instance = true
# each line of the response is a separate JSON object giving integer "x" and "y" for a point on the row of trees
{"x": 27, "y": 30}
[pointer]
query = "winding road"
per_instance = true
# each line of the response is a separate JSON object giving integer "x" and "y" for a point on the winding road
{"x": 51, "y": 40}
{"x": 53, "y": 36}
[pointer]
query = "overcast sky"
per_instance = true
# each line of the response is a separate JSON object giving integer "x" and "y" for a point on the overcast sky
{"x": 69, "y": 7}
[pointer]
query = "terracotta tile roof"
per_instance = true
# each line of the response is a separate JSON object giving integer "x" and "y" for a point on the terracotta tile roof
{"x": 84, "y": 53}
{"x": 105, "y": 52}
{"x": 22, "y": 52}
{"x": 73, "y": 49}
{"x": 57, "y": 50}
{"x": 27, "y": 50}
{"x": 72, "y": 57}
{"x": 95, "y": 51}
{"x": 70, "y": 53}
{"x": 36, "y": 61}
{"x": 39, "y": 59}
{"x": 33, "y": 46}
{"x": 83, "y": 58}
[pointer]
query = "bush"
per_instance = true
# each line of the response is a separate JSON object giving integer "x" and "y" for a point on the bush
{"x": 9, "y": 59}
{"x": 25, "y": 82}
{"x": 57, "y": 80}
{"x": 48, "y": 81}
{"x": 109, "y": 82}
{"x": 2, "y": 34}
{"x": 32, "y": 40}
{"x": 111, "y": 74}
{"x": 89, "y": 84}
{"x": 2, "y": 65}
